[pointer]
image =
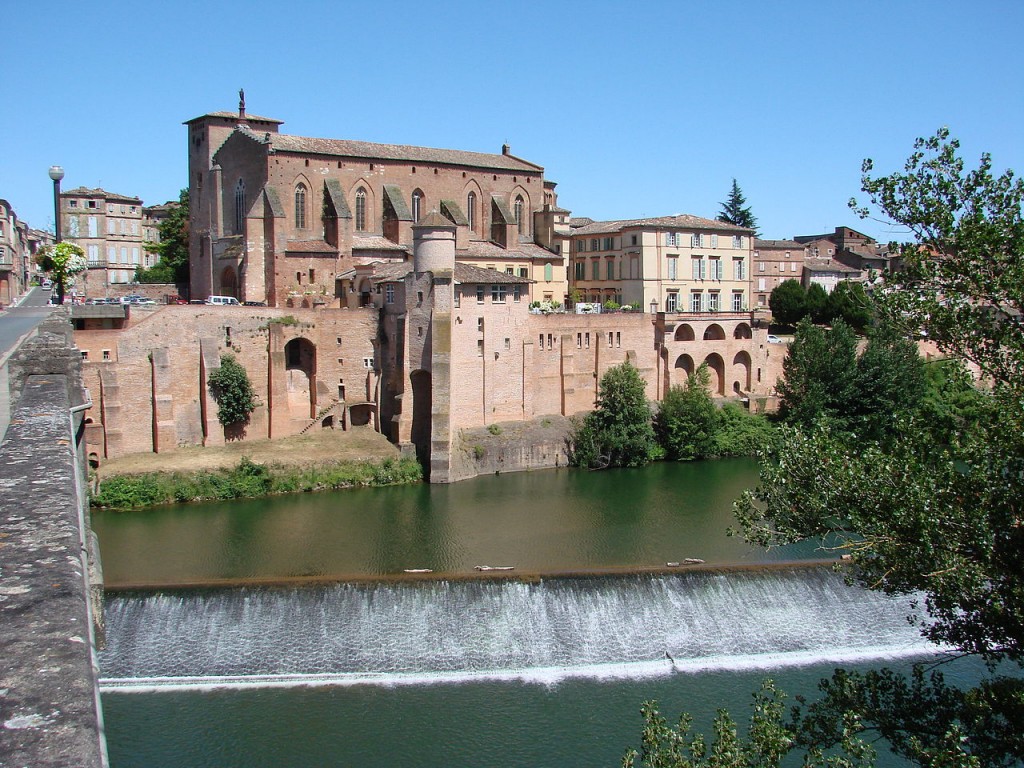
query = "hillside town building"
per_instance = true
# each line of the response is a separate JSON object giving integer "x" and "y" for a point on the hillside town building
{"x": 19, "y": 244}
{"x": 421, "y": 292}
{"x": 670, "y": 263}
{"x": 774, "y": 262}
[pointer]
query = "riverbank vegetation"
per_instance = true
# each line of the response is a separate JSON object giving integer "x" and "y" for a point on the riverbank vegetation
{"x": 624, "y": 430}
{"x": 250, "y": 480}
{"x": 918, "y": 475}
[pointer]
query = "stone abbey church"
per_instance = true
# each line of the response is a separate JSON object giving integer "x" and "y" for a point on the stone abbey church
{"x": 417, "y": 291}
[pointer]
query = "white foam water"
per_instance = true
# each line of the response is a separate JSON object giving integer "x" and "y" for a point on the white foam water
{"x": 398, "y": 634}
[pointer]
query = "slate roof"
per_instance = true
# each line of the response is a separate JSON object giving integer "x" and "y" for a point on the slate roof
{"x": 681, "y": 221}
{"x": 281, "y": 142}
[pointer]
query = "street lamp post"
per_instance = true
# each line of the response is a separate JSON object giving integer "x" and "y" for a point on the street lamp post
{"x": 57, "y": 173}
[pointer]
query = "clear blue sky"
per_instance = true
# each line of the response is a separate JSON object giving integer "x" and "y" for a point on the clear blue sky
{"x": 634, "y": 108}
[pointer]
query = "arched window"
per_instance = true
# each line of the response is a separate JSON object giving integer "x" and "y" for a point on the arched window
{"x": 471, "y": 210}
{"x": 300, "y": 206}
{"x": 239, "y": 207}
{"x": 417, "y": 205}
{"x": 360, "y": 210}
{"x": 520, "y": 220}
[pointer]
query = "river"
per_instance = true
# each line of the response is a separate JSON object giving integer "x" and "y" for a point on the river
{"x": 545, "y": 671}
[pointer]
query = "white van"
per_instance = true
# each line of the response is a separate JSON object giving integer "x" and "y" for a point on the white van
{"x": 223, "y": 301}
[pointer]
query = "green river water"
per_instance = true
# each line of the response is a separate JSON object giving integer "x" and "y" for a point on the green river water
{"x": 445, "y": 692}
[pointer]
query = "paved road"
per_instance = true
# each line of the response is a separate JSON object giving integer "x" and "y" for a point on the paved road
{"x": 15, "y": 322}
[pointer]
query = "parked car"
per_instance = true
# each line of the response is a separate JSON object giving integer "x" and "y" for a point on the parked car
{"x": 254, "y": 303}
{"x": 222, "y": 301}
{"x": 774, "y": 339}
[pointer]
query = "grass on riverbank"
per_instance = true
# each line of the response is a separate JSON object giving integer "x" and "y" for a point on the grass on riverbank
{"x": 249, "y": 480}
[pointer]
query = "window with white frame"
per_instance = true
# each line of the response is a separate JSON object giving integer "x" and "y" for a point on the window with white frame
{"x": 672, "y": 239}
{"x": 672, "y": 301}
{"x": 760, "y": 266}
{"x": 698, "y": 268}
{"x": 761, "y": 284}
{"x": 111, "y": 226}
{"x": 695, "y": 300}
{"x": 389, "y": 294}
{"x": 368, "y": 363}
{"x": 737, "y": 302}
{"x": 713, "y": 301}
{"x": 124, "y": 254}
{"x": 498, "y": 293}
{"x": 716, "y": 268}
{"x": 739, "y": 269}
{"x": 517, "y": 292}
{"x": 111, "y": 255}
{"x": 697, "y": 240}
{"x": 93, "y": 224}
{"x": 479, "y": 294}
{"x": 714, "y": 241}
{"x": 94, "y": 254}
{"x": 737, "y": 241}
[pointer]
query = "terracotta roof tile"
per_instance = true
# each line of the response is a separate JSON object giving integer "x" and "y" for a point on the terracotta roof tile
{"x": 363, "y": 149}
{"x": 681, "y": 221}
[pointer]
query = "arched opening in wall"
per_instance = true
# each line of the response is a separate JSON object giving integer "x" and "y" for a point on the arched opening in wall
{"x": 714, "y": 332}
{"x": 716, "y": 367}
{"x": 684, "y": 333}
{"x": 741, "y": 372}
{"x": 94, "y": 460}
{"x": 229, "y": 282}
{"x": 365, "y": 290}
{"x": 742, "y": 331}
{"x": 421, "y": 409}
{"x": 300, "y": 378}
{"x": 682, "y": 371}
{"x": 327, "y": 423}
{"x": 360, "y": 414}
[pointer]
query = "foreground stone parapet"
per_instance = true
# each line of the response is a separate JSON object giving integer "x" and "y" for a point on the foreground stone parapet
{"x": 49, "y": 704}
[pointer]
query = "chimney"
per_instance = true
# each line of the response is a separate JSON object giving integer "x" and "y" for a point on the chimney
{"x": 506, "y": 149}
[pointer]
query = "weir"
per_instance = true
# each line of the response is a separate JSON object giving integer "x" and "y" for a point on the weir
{"x": 391, "y": 633}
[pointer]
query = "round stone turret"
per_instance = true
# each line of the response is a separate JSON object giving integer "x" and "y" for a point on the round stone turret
{"x": 433, "y": 244}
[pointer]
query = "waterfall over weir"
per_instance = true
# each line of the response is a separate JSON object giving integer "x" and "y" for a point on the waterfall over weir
{"x": 433, "y": 631}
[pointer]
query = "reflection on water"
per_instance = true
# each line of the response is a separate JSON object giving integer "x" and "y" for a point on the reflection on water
{"x": 552, "y": 520}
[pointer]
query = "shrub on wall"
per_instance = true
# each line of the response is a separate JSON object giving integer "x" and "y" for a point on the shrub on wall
{"x": 233, "y": 392}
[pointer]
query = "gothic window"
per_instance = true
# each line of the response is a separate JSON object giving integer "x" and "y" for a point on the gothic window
{"x": 520, "y": 221}
{"x": 300, "y": 206}
{"x": 417, "y": 206}
{"x": 471, "y": 210}
{"x": 360, "y": 210}
{"x": 239, "y": 207}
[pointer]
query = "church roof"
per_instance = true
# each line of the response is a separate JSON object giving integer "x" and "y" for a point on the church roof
{"x": 234, "y": 115}
{"x": 464, "y": 273}
{"x": 479, "y": 249}
{"x": 281, "y": 142}
{"x": 679, "y": 221}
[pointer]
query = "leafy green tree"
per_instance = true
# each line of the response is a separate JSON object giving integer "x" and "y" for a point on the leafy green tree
{"x": 736, "y": 211}
{"x": 788, "y": 302}
{"x": 63, "y": 261}
{"x": 890, "y": 381}
{"x": 952, "y": 405}
{"x": 741, "y": 433}
{"x": 618, "y": 432}
{"x": 919, "y": 515}
{"x": 686, "y": 422}
{"x": 819, "y": 374}
{"x": 849, "y": 301}
{"x": 816, "y": 304}
{"x": 233, "y": 392}
{"x": 768, "y": 740}
{"x": 172, "y": 248}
